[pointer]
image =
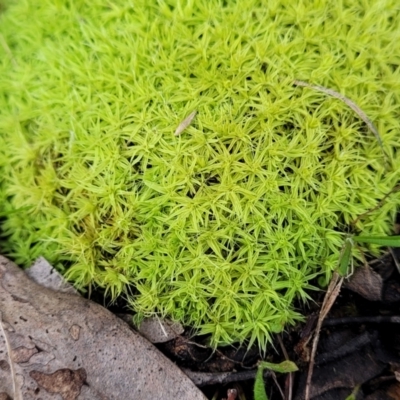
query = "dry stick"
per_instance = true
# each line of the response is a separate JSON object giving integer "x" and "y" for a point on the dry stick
{"x": 396, "y": 261}
{"x": 220, "y": 353}
{"x": 289, "y": 380}
{"x": 211, "y": 378}
{"x": 330, "y": 297}
{"x": 16, "y": 391}
{"x": 277, "y": 384}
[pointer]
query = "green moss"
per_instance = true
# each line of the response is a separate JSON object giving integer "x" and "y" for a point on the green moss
{"x": 224, "y": 226}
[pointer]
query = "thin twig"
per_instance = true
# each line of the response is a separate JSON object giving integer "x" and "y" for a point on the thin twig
{"x": 221, "y": 354}
{"x": 16, "y": 391}
{"x": 395, "y": 260}
{"x": 348, "y": 102}
{"x": 289, "y": 379}
{"x": 329, "y": 299}
{"x": 277, "y": 384}
{"x": 210, "y": 378}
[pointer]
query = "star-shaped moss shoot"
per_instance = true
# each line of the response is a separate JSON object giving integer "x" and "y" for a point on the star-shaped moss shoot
{"x": 162, "y": 150}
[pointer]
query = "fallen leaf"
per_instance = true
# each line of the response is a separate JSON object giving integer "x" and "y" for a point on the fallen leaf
{"x": 366, "y": 282}
{"x": 74, "y": 336}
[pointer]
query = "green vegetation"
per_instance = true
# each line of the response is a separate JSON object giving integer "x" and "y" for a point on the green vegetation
{"x": 225, "y": 225}
{"x": 284, "y": 367}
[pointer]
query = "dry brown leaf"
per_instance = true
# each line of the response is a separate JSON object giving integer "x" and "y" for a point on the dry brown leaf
{"x": 67, "y": 345}
{"x": 366, "y": 282}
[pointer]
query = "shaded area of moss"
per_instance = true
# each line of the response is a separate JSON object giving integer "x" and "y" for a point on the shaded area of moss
{"x": 224, "y": 226}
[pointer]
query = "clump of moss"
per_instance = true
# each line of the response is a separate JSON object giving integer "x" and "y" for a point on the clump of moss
{"x": 224, "y": 226}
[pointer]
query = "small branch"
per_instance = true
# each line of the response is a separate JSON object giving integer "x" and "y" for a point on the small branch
{"x": 209, "y": 378}
{"x": 16, "y": 391}
{"x": 395, "y": 260}
{"x": 289, "y": 378}
{"x": 330, "y": 297}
